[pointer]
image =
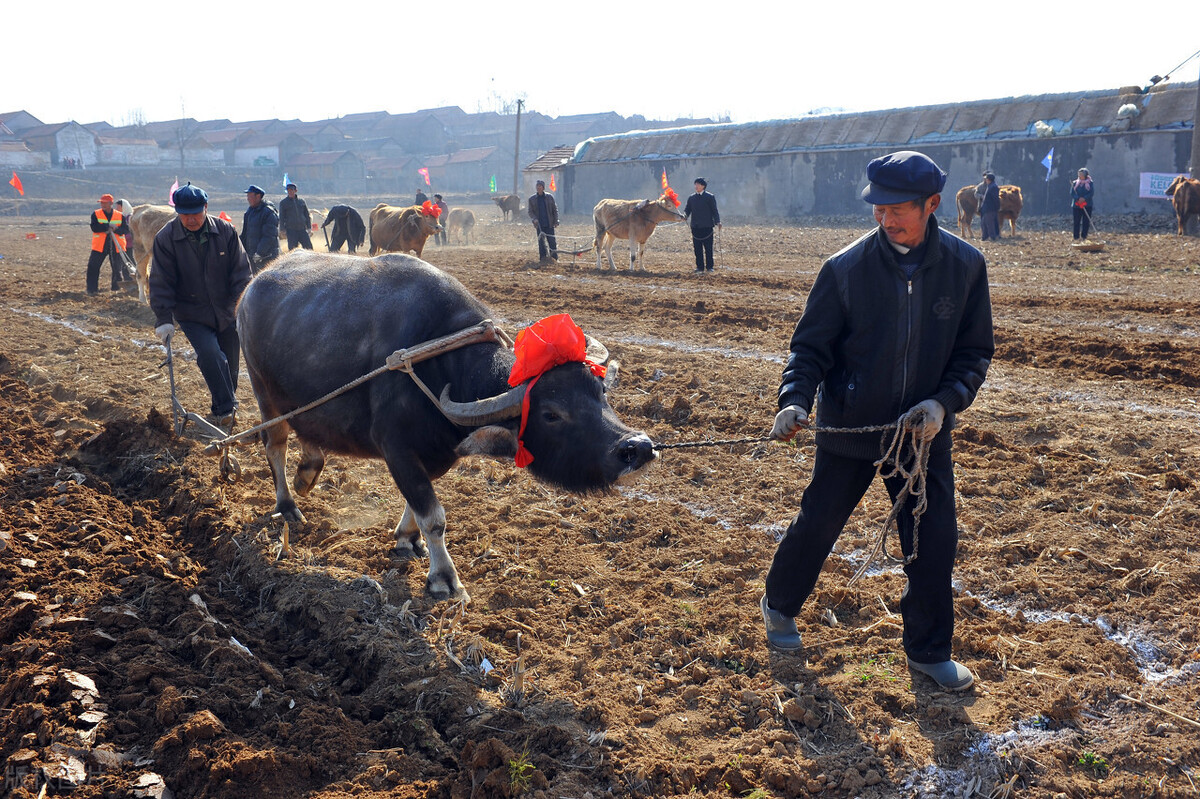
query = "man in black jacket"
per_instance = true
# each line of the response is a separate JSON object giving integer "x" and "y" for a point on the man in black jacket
{"x": 987, "y": 196}
{"x": 348, "y": 228}
{"x": 200, "y": 271}
{"x": 295, "y": 219}
{"x": 701, "y": 213}
{"x": 899, "y": 321}
{"x": 260, "y": 229}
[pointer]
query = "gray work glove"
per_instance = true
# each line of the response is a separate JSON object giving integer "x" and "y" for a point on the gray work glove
{"x": 926, "y": 418}
{"x": 788, "y": 422}
{"x": 164, "y": 333}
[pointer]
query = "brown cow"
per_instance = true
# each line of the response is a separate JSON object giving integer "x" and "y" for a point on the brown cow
{"x": 1185, "y": 197}
{"x": 401, "y": 229}
{"x": 509, "y": 204}
{"x": 1011, "y": 203}
{"x": 633, "y": 220}
{"x": 144, "y": 223}
{"x": 462, "y": 220}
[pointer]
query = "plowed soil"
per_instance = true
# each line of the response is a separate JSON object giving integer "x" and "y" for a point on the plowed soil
{"x": 153, "y": 642}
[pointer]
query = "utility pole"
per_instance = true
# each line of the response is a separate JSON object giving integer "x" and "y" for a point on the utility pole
{"x": 517, "y": 151}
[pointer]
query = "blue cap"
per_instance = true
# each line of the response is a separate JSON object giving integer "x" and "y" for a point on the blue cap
{"x": 189, "y": 199}
{"x": 254, "y": 189}
{"x": 901, "y": 177}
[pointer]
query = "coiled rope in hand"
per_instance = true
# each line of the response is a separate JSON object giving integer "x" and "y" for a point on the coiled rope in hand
{"x": 903, "y": 454}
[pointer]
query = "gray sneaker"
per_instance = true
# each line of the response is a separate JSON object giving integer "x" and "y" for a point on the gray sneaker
{"x": 948, "y": 674}
{"x": 781, "y": 629}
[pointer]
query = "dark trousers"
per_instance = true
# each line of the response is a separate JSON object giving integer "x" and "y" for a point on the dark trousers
{"x": 440, "y": 236}
{"x": 340, "y": 237}
{"x": 989, "y": 225}
{"x": 1083, "y": 221}
{"x": 837, "y": 485}
{"x": 546, "y": 242}
{"x": 95, "y": 261}
{"x": 300, "y": 237}
{"x": 217, "y": 355}
{"x": 702, "y": 243}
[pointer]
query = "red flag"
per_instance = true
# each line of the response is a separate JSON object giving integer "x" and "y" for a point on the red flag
{"x": 171, "y": 193}
{"x": 224, "y": 217}
{"x": 424, "y": 172}
{"x": 16, "y": 184}
{"x": 552, "y": 187}
{"x": 665, "y": 186}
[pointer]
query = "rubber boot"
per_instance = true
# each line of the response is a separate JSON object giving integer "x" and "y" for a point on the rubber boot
{"x": 781, "y": 629}
{"x": 948, "y": 674}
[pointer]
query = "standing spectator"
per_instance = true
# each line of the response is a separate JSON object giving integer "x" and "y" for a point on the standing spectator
{"x": 899, "y": 319}
{"x": 348, "y": 227}
{"x": 260, "y": 229}
{"x": 543, "y": 212}
{"x": 421, "y": 198}
{"x": 440, "y": 236}
{"x": 295, "y": 219}
{"x": 701, "y": 213}
{"x": 987, "y": 196}
{"x": 1082, "y": 190}
{"x": 107, "y": 223}
{"x": 200, "y": 271}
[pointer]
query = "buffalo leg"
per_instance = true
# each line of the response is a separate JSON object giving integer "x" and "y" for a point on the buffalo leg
{"x": 274, "y": 439}
{"x": 312, "y": 461}
{"x": 430, "y": 518}
{"x": 408, "y": 534}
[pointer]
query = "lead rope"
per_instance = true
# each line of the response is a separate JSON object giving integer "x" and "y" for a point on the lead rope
{"x": 903, "y": 455}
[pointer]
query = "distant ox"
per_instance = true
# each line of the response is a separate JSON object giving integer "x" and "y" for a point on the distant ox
{"x": 395, "y": 229}
{"x": 634, "y": 220}
{"x": 1185, "y": 197}
{"x": 509, "y": 204}
{"x": 1011, "y": 203}
{"x": 462, "y": 221}
{"x": 366, "y": 310}
{"x": 144, "y": 223}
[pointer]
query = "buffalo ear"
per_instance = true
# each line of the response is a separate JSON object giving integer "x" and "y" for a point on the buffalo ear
{"x": 492, "y": 441}
{"x": 612, "y": 376}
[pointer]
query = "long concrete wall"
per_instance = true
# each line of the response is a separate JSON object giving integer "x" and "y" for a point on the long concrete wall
{"x": 828, "y": 182}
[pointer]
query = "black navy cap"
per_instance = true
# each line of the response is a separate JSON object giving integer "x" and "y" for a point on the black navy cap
{"x": 255, "y": 189}
{"x": 901, "y": 177}
{"x": 189, "y": 199}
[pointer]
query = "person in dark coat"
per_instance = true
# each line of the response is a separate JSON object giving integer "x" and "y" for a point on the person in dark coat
{"x": 260, "y": 229}
{"x": 200, "y": 271}
{"x": 899, "y": 322}
{"x": 295, "y": 219}
{"x": 421, "y": 198}
{"x": 543, "y": 212}
{"x": 701, "y": 213}
{"x": 348, "y": 228}
{"x": 987, "y": 196}
{"x": 1082, "y": 190}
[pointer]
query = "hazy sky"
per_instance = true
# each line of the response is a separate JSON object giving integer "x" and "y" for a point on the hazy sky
{"x": 124, "y": 62}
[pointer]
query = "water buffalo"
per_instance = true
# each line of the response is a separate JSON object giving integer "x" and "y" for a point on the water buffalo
{"x": 363, "y": 311}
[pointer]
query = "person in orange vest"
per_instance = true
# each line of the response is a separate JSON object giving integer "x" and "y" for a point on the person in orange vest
{"x": 106, "y": 220}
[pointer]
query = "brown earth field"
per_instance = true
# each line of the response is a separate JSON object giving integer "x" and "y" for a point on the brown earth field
{"x": 154, "y": 643}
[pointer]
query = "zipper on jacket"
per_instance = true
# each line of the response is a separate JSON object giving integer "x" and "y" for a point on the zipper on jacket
{"x": 907, "y": 343}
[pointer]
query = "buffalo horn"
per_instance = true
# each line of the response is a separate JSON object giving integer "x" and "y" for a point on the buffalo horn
{"x": 596, "y": 351}
{"x": 485, "y": 411}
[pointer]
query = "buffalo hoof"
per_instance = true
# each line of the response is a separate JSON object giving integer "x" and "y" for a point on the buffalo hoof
{"x": 290, "y": 513}
{"x": 413, "y": 547}
{"x": 440, "y": 590}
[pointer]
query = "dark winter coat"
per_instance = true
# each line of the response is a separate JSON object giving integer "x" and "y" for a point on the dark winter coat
{"x": 293, "y": 214}
{"x": 875, "y": 343}
{"x": 188, "y": 288}
{"x": 260, "y": 231}
{"x": 701, "y": 210}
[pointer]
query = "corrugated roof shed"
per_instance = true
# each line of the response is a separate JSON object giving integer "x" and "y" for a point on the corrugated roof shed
{"x": 1009, "y": 118}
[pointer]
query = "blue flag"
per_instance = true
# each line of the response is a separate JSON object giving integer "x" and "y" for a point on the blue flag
{"x": 286, "y": 181}
{"x": 1048, "y": 161}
